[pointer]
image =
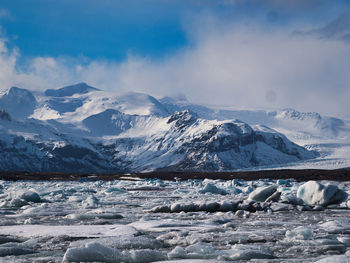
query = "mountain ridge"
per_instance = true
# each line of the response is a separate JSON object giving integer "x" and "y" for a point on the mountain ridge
{"x": 135, "y": 132}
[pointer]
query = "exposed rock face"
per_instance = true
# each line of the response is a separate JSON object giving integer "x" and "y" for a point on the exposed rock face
{"x": 20, "y": 154}
{"x": 315, "y": 193}
{"x": 4, "y": 115}
{"x": 182, "y": 119}
{"x": 227, "y": 145}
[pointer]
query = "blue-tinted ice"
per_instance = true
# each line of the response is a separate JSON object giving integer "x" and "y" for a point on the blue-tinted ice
{"x": 161, "y": 221}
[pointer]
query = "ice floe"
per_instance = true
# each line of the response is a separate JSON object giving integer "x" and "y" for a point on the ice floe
{"x": 152, "y": 220}
{"x": 315, "y": 193}
{"x": 73, "y": 231}
{"x": 262, "y": 193}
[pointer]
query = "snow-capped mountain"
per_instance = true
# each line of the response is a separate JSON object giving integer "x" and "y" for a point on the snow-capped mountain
{"x": 83, "y": 101}
{"x": 301, "y": 127}
{"x": 329, "y": 136}
{"x": 20, "y": 103}
{"x": 83, "y": 129}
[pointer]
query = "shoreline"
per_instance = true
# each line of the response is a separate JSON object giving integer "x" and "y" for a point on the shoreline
{"x": 298, "y": 175}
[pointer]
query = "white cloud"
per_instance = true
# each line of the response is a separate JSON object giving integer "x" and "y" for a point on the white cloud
{"x": 240, "y": 66}
{"x": 243, "y": 68}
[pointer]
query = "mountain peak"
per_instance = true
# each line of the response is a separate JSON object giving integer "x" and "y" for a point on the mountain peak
{"x": 183, "y": 118}
{"x": 80, "y": 88}
{"x": 18, "y": 92}
{"x": 20, "y": 103}
{"x": 297, "y": 115}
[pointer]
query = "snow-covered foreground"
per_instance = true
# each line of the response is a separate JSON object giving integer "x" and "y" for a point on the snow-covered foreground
{"x": 161, "y": 221}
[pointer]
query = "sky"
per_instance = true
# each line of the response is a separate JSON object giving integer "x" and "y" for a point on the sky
{"x": 238, "y": 53}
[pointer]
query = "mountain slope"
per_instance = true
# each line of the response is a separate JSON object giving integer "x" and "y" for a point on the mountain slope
{"x": 80, "y": 88}
{"x": 82, "y": 129}
{"x": 73, "y": 104}
{"x": 179, "y": 142}
{"x": 20, "y": 103}
{"x": 201, "y": 145}
{"x": 298, "y": 126}
{"x": 35, "y": 146}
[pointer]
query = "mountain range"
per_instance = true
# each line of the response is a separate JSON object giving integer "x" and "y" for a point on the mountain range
{"x": 83, "y": 129}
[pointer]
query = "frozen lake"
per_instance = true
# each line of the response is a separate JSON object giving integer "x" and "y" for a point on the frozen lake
{"x": 190, "y": 221}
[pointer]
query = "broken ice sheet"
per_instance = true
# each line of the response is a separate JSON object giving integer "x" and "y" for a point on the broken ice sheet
{"x": 117, "y": 216}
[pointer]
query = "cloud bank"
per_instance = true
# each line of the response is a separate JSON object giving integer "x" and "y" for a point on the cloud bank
{"x": 243, "y": 66}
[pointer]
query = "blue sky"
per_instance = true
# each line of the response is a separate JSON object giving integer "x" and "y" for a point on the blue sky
{"x": 92, "y": 28}
{"x": 112, "y": 29}
{"x": 222, "y": 52}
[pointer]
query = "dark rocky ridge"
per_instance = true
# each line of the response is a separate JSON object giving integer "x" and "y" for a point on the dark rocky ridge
{"x": 298, "y": 175}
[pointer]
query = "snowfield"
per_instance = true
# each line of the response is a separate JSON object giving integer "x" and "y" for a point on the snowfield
{"x": 167, "y": 221}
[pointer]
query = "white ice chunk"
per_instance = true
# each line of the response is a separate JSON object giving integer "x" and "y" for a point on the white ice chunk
{"x": 75, "y": 198}
{"x": 90, "y": 215}
{"x": 177, "y": 252}
{"x": 30, "y": 196}
{"x": 170, "y": 224}
{"x": 201, "y": 249}
{"x": 315, "y": 193}
{"x": 262, "y": 193}
{"x": 116, "y": 190}
{"x": 124, "y": 242}
{"x": 211, "y": 188}
{"x": 93, "y": 252}
{"x": 247, "y": 252}
{"x": 335, "y": 259}
{"x": 340, "y": 226}
{"x": 72, "y": 231}
{"x": 29, "y": 221}
{"x": 300, "y": 233}
{"x": 291, "y": 199}
{"x": 143, "y": 256}
{"x": 344, "y": 240}
{"x": 90, "y": 202}
{"x": 276, "y": 207}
